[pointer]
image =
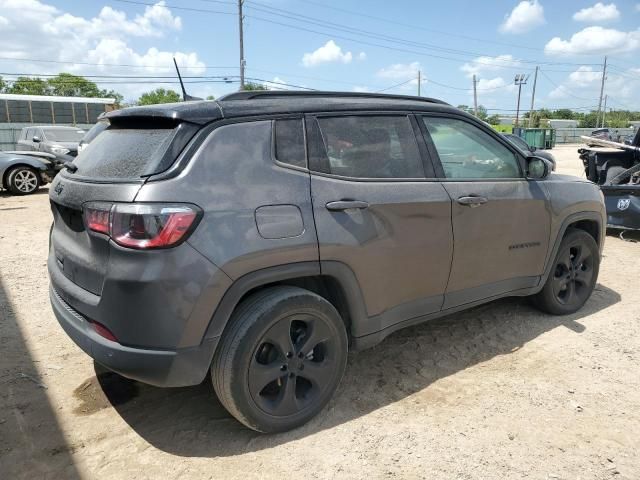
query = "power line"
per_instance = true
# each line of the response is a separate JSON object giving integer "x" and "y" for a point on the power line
{"x": 387, "y": 20}
{"x": 394, "y": 86}
{"x": 562, "y": 87}
{"x": 297, "y": 27}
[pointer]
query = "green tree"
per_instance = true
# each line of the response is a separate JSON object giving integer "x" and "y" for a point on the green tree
{"x": 68, "y": 85}
{"x": 159, "y": 95}
{"x": 254, "y": 86}
{"x": 210, "y": 97}
{"x": 563, "y": 113}
{"x": 493, "y": 119}
{"x": 29, "y": 86}
{"x": 3, "y": 85}
{"x": 589, "y": 120}
{"x": 482, "y": 112}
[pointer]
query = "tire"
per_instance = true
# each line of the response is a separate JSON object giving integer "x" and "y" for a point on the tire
{"x": 623, "y": 175}
{"x": 23, "y": 180}
{"x": 573, "y": 275}
{"x": 281, "y": 359}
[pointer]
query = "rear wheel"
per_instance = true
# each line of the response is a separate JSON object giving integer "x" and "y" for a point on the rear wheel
{"x": 23, "y": 180}
{"x": 281, "y": 359}
{"x": 573, "y": 275}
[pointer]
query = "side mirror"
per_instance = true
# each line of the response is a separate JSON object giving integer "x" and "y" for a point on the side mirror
{"x": 36, "y": 139}
{"x": 537, "y": 168}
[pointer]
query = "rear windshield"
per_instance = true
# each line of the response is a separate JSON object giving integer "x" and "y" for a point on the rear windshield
{"x": 60, "y": 135}
{"x": 123, "y": 153}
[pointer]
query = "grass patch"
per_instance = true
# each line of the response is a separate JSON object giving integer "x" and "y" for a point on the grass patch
{"x": 502, "y": 128}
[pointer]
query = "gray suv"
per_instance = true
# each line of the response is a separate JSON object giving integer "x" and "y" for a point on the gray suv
{"x": 262, "y": 236}
{"x": 61, "y": 141}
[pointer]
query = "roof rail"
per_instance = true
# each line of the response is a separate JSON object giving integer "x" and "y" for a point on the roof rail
{"x": 263, "y": 94}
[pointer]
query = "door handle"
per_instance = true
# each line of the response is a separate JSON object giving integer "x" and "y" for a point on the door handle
{"x": 472, "y": 200}
{"x": 341, "y": 205}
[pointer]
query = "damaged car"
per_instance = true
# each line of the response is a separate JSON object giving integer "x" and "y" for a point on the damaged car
{"x": 615, "y": 167}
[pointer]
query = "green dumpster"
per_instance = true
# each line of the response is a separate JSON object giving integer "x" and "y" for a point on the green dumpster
{"x": 538, "y": 137}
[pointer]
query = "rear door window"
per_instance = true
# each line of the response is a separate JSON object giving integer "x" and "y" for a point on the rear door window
{"x": 124, "y": 153}
{"x": 369, "y": 146}
{"x": 289, "y": 142}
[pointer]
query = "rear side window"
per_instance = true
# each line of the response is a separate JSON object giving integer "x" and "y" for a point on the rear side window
{"x": 289, "y": 142}
{"x": 367, "y": 146}
{"x": 123, "y": 153}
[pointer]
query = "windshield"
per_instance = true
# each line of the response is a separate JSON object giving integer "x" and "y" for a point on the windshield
{"x": 63, "y": 135}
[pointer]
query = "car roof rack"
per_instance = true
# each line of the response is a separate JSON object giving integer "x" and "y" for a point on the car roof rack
{"x": 265, "y": 94}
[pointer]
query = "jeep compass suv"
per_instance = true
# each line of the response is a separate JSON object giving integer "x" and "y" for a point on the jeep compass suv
{"x": 261, "y": 236}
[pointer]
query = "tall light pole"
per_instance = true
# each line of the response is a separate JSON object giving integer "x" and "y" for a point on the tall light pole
{"x": 604, "y": 77}
{"x": 419, "y": 81}
{"x": 475, "y": 96}
{"x": 240, "y": 22}
{"x": 533, "y": 96}
{"x": 520, "y": 79}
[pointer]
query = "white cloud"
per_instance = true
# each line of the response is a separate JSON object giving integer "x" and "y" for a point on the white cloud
{"x": 361, "y": 89}
{"x": 599, "y": 13}
{"x": 362, "y": 56}
{"x": 41, "y": 31}
{"x": 400, "y": 71}
{"x": 487, "y": 64}
{"x": 330, "y": 52}
{"x": 526, "y": 16}
{"x": 594, "y": 41}
{"x": 585, "y": 76}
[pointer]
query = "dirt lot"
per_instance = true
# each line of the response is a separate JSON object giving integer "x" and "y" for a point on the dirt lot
{"x": 498, "y": 392}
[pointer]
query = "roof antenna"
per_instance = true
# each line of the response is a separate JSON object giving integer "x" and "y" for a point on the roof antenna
{"x": 186, "y": 97}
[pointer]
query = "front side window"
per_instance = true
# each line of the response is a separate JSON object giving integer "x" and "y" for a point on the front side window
{"x": 466, "y": 152}
{"x": 368, "y": 146}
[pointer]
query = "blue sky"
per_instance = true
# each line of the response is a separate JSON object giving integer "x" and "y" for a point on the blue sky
{"x": 338, "y": 45}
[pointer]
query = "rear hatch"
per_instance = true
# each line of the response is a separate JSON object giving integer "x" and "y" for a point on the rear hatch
{"x": 111, "y": 169}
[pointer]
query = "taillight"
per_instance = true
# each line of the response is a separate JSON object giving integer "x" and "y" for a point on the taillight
{"x": 142, "y": 225}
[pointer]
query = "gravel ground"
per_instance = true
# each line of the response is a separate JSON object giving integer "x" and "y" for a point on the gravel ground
{"x": 500, "y": 391}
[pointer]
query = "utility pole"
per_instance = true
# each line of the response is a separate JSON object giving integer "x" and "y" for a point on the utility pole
{"x": 604, "y": 76}
{"x": 475, "y": 96}
{"x": 240, "y": 22}
{"x": 419, "y": 81}
{"x": 533, "y": 96}
{"x": 520, "y": 79}
{"x": 604, "y": 110}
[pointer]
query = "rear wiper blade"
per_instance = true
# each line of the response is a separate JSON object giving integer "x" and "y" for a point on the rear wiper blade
{"x": 70, "y": 166}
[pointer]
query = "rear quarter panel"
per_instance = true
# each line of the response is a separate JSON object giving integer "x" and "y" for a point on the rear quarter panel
{"x": 231, "y": 176}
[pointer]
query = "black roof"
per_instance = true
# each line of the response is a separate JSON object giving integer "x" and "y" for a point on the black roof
{"x": 247, "y": 103}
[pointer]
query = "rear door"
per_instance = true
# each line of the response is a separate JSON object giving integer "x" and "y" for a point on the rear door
{"x": 379, "y": 211}
{"x": 501, "y": 220}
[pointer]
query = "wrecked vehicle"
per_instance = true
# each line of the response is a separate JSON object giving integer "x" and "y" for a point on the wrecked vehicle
{"x": 616, "y": 168}
{"x": 23, "y": 173}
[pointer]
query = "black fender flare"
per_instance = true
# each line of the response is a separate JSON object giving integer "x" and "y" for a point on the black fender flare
{"x": 244, "y": 284}
{"x": 571, "y": 219}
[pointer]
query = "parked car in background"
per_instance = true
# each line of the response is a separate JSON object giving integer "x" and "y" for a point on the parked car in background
{"x": 22, "y": 174}
{"x": 92, "y": 133}
{"x": 57, "y": 140}
{"x": 258, "y": 238}
{"x": 527, "y": 149}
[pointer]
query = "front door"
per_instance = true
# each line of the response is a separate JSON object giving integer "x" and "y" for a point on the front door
{"x": 377, "y": 212}
{"x": 501, "y": 220}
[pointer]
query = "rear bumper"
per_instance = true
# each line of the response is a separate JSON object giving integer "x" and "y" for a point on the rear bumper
{"x": 162, "y": 368}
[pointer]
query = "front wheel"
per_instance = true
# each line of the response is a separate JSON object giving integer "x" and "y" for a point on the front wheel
{"x": 23, "y": 180}
{"x": 281, "y": 359}
{"x": 573, "y": 275}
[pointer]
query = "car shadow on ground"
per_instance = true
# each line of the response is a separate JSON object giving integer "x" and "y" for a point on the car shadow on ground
{"x": 191, "y": 421}
{"x": 32, "y": 443}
